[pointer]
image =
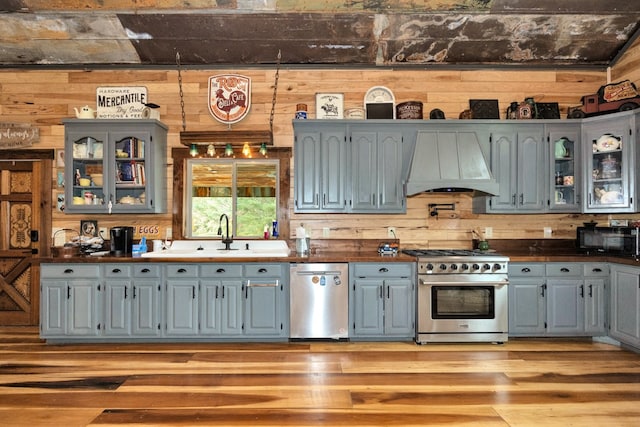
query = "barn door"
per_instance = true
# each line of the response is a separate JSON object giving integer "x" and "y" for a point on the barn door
{"x": 25, "y": 223}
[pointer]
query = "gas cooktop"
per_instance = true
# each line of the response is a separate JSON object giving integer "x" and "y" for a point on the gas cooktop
{"x": 447, "y": 252}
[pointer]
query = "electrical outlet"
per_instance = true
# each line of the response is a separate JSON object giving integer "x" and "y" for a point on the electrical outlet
{"x": 169, "y": 233}
{"x": 488, "y": 232}
{"x": 104, "y": 233}
{"x": 547, "y": 232}
{"x": 325, "y": 231}
{"x": 391, "y": 233}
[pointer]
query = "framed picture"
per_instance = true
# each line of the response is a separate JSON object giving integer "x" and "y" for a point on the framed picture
{"x": 60, "y": 179}
{"x": 89, "y": 228}
{"x": 59, "y": 158}
{"x": 329, "y": 105}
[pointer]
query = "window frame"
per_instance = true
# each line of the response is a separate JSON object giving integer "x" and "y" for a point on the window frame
{"x": 180, "y": 156}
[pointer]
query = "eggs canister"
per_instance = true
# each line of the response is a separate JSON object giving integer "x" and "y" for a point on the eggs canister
{"x": 409, "y": 110}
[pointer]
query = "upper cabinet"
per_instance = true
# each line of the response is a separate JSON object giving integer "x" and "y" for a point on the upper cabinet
{"x": 610, "y": 159}
{"x": 565, "y": 181}
{"x": 115, "y": 166}
{"x": 344, "y": 168}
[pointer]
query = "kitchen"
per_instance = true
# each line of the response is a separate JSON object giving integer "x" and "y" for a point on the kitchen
{"x": 51, "y": 95}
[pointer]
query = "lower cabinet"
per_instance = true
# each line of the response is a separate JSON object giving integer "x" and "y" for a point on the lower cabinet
{"x": 557, "y": 299}
{"x": 382, "y": 301}
{"x": 625, "y": 304}
{"x": 69, "y": 295}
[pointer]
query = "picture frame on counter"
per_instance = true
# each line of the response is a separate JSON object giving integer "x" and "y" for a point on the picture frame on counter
{"x": 329, "y": 105}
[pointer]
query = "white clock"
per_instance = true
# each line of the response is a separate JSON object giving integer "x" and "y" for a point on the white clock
{"x": 379, "y": 103}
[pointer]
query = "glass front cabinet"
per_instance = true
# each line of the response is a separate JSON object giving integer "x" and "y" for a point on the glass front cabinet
{"x": 115, "y": 166}
{"x": 610, "y": 161}
{"x": 564, "y": 146}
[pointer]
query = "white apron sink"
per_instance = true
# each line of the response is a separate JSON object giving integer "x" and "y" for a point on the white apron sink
{"x": 216, "y": 249}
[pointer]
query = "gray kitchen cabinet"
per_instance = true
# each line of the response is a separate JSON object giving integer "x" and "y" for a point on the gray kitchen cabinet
{"x": 376, "y": 171}
{"x": 610, "y": 159}
{"x": 182, "y": 287}
{"x": 115, "y": 166}
{"x": 557, "y": 299}
{"x": 625, "y": 304}
{"x": 132, "y": 294}
{"x": 565, "y": 179}
{"x": 220, "y": 299}
{"x": 383, "y": 300}
{"x": 321, "y": 159}
{"x": 527, "y": 288}
{"x": 518, "y": 164}
{"x": 265, "y": 299}
{"x": 69, "y": 300}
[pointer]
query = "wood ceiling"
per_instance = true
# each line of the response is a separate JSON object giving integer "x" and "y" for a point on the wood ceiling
{"x": 349, "y": 33}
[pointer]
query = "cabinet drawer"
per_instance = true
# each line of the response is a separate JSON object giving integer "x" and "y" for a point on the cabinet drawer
{"x": 70, "y": 271}
{"x": 182, "y": 270}
{"x": 526, "y": 270}
{"x": 117, "y": 270}
{"x": 263, "y": 270}
{"x": 220, "y": 270}
{"x": 142, "y": 270}
{"x": 596, "y": 269}
{"x": 383, "y": 270}
{"x": 564, "y": 269}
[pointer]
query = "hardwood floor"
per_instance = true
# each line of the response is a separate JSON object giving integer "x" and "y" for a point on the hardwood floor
{"x": 520, "y": 383}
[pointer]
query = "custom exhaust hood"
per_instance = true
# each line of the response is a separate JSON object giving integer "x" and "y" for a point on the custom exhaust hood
{"x": 449, "y": 161}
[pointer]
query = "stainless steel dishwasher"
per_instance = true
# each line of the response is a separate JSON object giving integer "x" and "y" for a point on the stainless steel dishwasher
{"x": 319, "y": 303}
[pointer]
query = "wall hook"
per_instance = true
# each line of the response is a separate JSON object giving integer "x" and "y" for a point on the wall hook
{"x": 434, "y": 208}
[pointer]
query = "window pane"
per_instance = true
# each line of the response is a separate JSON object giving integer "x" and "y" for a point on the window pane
{"x": 246, "y": 190}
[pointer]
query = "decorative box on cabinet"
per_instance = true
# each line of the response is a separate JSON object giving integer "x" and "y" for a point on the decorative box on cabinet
{"x": 383, "y": 300}
{"x": 610, "y": 161}
{"x": 115, "y": 166}
{"x": 69, "y": 301}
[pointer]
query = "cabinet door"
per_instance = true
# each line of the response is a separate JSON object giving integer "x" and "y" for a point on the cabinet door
{"x": 210, "y": 315}
{"x": 83, "y": 315}
{"x": 182, "y": 307}
{"x": 503, "y": 166}
{"x": 625, "y": 304}
{"x": 531, "y": 170}
{"x": 391, "y": 194}
{"x": 594, "y": 306}
{"x": 320, "y": 171}
{"x": 527, "y": 306}
{"x": 565, "y": 178}
{"x": 53, "y": 308}
{"x": 398, "y": 307}
{"x": 231, "y": 308}
{"x": 364, "y": 171}
{"x": 117, "y": 307}
{"x": 565, "y": 306}
{"x": 368, "y": 307}
{"x": 262, "y": 307}
{"x": 145, "y": 309}
{"x": 609, "y": 164}
{"x": 86, "y": 172}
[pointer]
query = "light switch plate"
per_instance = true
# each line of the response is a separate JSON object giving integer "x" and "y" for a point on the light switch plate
{"x": 547, "y": 232}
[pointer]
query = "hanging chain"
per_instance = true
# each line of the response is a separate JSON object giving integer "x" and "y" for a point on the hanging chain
{"x": 184, "y": 119}
{"x": 275, "y": 91}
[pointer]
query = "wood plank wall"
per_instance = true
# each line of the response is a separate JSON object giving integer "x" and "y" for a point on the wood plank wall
{"x": 44, "y": 98}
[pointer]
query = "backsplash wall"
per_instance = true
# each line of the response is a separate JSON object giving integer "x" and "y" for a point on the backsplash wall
{"x": 44, "y": 98}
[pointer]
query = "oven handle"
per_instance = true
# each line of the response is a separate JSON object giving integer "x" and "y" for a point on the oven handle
{"x": 463, "y": 283}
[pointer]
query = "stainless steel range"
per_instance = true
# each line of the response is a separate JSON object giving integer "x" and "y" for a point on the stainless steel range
{"x": 462, "y": 296}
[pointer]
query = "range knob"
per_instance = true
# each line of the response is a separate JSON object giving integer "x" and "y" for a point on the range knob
{"x": 475, "y": 267}
{"x": 443, "y": 267}
{"x": 454, "y": 267}
{"x": 486, "y": 267}
{"x": 464, "y": 267}
{"x": 430, "y": 267}
{"x": 496, "y": 267}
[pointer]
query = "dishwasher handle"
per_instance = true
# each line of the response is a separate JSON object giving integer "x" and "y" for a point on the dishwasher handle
{"x": 318, "y": 273}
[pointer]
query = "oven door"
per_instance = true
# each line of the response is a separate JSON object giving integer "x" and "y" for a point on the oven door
{"x": 463, "y": 311}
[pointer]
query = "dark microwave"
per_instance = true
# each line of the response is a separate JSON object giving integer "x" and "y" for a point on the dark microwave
{"x": 609, "y": 240}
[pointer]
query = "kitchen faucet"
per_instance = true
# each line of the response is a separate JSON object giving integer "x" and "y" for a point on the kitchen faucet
{"x": 228, "y": 240}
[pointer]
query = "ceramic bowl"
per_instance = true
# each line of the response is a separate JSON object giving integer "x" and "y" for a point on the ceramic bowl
{"x": 85, "y": 182}
{"x": 97, "y": 179}
{"x": 78, "y": 201}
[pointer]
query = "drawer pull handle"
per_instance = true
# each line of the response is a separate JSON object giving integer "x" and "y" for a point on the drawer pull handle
{"x": 597, "y": 270}
{"x": 116, "y": 270}
{"x": 182, "y": 270}
{"x": 526, "y": 270}
{"x": 145, "y": 270}
{"x": 564, "y": 269}
{"x": 221, "y": 270}
{"x": 68, "y": 271}
{"x": 383, "y": 270}
{"x": 262, "y": 270}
